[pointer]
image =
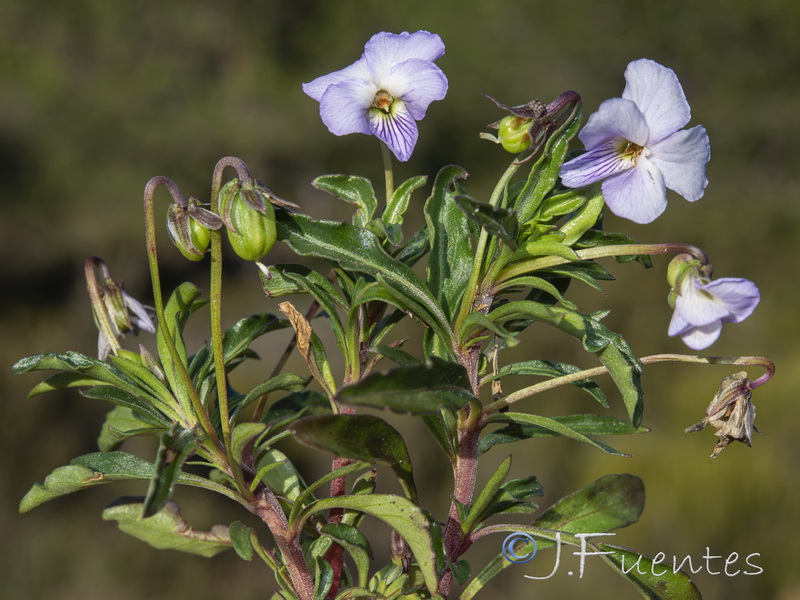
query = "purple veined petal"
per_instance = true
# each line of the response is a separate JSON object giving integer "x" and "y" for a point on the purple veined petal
{"x": 316, "y": 88}
{"x": 657, "y": 92}
{"x": 596, "y": 164}
{"x": 397, "y": 129}
{"x": 700, "y": 338}
{"x": 384, "y": 50}
{"x": 697, "y": 305}
{"x": 417, "y": 82}
{"x": 615, "y": 118}
{"x": 637, "y": 194}
{"x": 682, "y": 158}
{"x": 739, "y": 297}
{"x": 344, "y": 106}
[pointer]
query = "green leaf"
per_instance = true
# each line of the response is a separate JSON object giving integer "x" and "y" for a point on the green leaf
{"x": 398, "y": 204}
{"x": 544, "y": 172}
{"x": 240, "y": 536}
{"x": 142, "y": 404}
{"x": 294, "y": 406}
{"x": 538, "y": 285}
{"x": 363, "y": 437}
{"x": 61, "y": 381}
{"x": 639, "y": 570}
{"x": 415, "y": 389}
{"x": 461, "y": 571}
{"x": 585, "y": 424}
{"x": 610, "y": 348}
{"x": 552, "y": 425}
{"x": 401, "y": 357}
{"x": 122, "y": 423}
{"x": 584, "y": 219}
{"x": 477, "y": 323}
{"x": 352, "y": 540}
{"x": 353, "y": 190}
{"x": 84, "y": 472}
{"x": 181, "y": 304}
{"x": 484, "y": 499}
{"x": 167, "y": 529}
{"x": 238, "y": 338}
{"x": 496, "y": 221}
{"x": 549, "y": 368}
{"x": 611, "y": 502}
{"x": 283, "y": 480}
{"x": 451, "y": 257}
{"x": 359, "y": 250}
{"x": 174, "y": 448}
{"x": 398, "y": 513}
{"x": 285, "y": 381}
{"x": 242, "y": 435}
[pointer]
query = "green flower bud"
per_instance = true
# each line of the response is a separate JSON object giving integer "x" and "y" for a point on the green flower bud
{"x": 189, "y": 227}
{"x": 679, "y": 267}
{"x": 514, "y": 133}
{"x": 253, "y": 233}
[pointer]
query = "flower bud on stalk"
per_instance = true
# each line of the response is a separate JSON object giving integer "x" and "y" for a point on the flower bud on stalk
{"x": 189, "y": 226}
{"x": 249, "y": 218}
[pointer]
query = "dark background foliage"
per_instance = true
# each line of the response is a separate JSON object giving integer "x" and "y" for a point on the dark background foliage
{"x": 96, "y": 97}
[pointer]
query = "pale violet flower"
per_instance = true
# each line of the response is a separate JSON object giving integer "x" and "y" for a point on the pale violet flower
{"x": 636, "y": 146}
{"x": 386, "y": 91}
{"x": 702, "y": 306}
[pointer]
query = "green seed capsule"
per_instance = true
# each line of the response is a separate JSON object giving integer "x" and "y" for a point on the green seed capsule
{"x": 256, "y": 232}
{"x": 513, "y": 134}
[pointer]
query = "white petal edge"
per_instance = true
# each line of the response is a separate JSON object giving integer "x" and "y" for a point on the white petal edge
{"x": 417, "y": 82}
{"x": 637, "y": 194}
{"x": 657, "y": 92}
{"x": 682, "y": 158}
{"x": 698, "y": 306}
{"x": 317, "y": 88}
{"x": 700, "y": 338}
{"x": 384, "y": 50}
{"x": 739, "y": 296}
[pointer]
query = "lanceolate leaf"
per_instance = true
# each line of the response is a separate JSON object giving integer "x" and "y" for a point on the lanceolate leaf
{"x": 495, "y": 221}
{"x": 174, "y": 448}
{"x": 552, "y": 425}
{"x": 398, "y": 513}
{"x": 354, "y": 190}
{"x": 181, "y": 304}
{"x": 654, "y": 581}
{"x": 398, "y": 204}
{"x": 167, "y": 529}
{"x": 416, "y": 389}
{"x": 451, "y": 259}
{"x": 544, "y": 172}
{"x": 583, "y": 424}
{"x": 121, "y": 423}
{"x": 610, "y": 348}
{"x": 549, "y": 368}
{"x": 363, "y": 437}
{"x": 359, "y": 250}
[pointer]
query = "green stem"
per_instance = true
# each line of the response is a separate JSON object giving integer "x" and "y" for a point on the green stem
{"x": 196, "y": 406}
{"x": 543, "y": 386}
{"x": 544, "y": 262}
{"x": 216, "y": 314}
{"x": 472, "y": 285}
{"x": 388, "y": 173}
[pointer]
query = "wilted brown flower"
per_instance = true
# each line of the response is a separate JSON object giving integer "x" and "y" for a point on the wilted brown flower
{"x": 731, "y": 413}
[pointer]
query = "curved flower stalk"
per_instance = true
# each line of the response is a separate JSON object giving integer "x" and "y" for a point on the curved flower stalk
{"x": 386, "y": 91}
{"x": 636, "y": 146}
{"x": 702, "y": 306}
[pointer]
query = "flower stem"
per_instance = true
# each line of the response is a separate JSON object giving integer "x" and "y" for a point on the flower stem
{"x": 196, "y": 406}
{"x": 543, "y": 386}
{"x": 544, "y": 262}
{"x": 388, "y": 173}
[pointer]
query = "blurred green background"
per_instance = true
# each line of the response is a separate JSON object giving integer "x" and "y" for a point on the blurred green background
{"x": 96, "y": 97}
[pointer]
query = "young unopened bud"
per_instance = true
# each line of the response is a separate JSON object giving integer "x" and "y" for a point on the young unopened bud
{"x": 246, "y": 209}
{"x": 189, "y": 226}
{"x": 679, "y": 267}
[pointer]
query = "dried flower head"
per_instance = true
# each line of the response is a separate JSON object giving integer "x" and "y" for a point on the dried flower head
{"x": 731, "y": 413}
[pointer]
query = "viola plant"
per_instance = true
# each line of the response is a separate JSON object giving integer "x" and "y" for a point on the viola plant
{"x": 493, "y": 268}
